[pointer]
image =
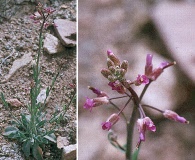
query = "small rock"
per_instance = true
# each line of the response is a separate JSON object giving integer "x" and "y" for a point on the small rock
{"x": 47, "y": 154}
{"x": 52, "y": 45}
{"x": 66, "y": 31}
{"x": 42, "y": 96}
{"x": 69, "y": 152}
{"x": 62, "y": 141}
{"x": 17, "y": 64}
{"x": 63, "y": 6}
{"x": 35, "y": 47}
{"x": 14, "y": 102}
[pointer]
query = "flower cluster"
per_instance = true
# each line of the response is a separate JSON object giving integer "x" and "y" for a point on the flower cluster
{"x": 115, "y": 74}
{"x": 42, "y": 15}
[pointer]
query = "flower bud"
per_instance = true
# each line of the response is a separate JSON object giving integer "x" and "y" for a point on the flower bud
{"x": 110, "y": 121}
{"x": 117, "y": 86}
{"x": 124, "y": 65}
{"x": 111, "y": 78}
{"x": 100, "y": 100}
{"x": 113, "y": 58}
{"x": 105, "y": 72}
{"x": 112, "y": 69}
{"x": 149, "y": 66}
{"x": 122, "y": 72}
{"x": 98, "y": 92}
{"x": 174, "y": 116}
{"x": 109, "y": 63}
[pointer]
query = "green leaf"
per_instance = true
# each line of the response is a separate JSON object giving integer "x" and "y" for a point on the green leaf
{"x": 26, "y": 148}
{"x": 37, "y": 152}
{"x": 135, "y": 154}
{"x": 51, "y": 137}
{"x": 41, "y": 140}
{"x": 41, "y": 123}
{"x": 24, "y": 120}
{"x": 4, "y": 101}
{"x": 10, "y": 130}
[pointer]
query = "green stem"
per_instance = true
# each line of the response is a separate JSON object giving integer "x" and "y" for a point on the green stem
{"x": 130, "y": 127}
{"x": 119, "y": 110}
{"x": 131, "y": 123}
{"x": 144, "y": 90}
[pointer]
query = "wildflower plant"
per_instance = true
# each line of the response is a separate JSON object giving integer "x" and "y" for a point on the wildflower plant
{"x": 32, "y": 130}
{"x": 115, "y": 73}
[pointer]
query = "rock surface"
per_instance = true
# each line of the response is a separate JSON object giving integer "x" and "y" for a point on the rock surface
{"x": 66, "y": 31}
{"x": 69, "y": 152}
{"x": 176, "y": 24}
{"x": 52, "y": 45}
{"x": 17, "y": 64}
{"x": 62, "y": 141}
{"x": 14, "y": 102}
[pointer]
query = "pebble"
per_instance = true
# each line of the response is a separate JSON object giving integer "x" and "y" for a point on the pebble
{"x": 52, "y": 45}
{"x": 67, "y": 34}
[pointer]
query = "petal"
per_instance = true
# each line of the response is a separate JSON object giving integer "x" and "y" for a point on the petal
{"x": 106, "y": 125}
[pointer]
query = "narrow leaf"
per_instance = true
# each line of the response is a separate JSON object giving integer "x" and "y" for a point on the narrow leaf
{"x": 4, "y": 101}
{"x": 51, "y": 137}
{"x": 37, "y": 152}
{"x": 26, "y": 148}
{"x": 135, "y": 154}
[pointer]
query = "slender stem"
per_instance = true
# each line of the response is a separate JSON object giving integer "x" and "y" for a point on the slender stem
{"x": 118, "y": 97}
{"x": 131, "y": 123}
{"x": 124, "y": 106}
{"x": 144, "y": 90}
{"x": 144, "y": 105}
{"x": 130, "y": 127}
{"x": 118, "y": 110}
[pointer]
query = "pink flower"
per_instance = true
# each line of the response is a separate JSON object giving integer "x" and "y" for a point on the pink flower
{"x": 149, "y": 66}
{"x": 110, "y": 122}
{"x": 174, "y": 116}
{"x": 90, "y": 103}
{"x": 49, "y": 10}
{"x": 151, "y": 73}
{"x": 143, "y": 125}
{"x": 117, "y": 86}
{"x": 141, "y": 79}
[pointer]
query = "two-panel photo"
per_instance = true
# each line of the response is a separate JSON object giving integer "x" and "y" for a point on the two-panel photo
{"x": 97, "y": 80}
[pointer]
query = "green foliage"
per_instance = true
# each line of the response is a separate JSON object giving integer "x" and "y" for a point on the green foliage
{"x": 135, "y": 154}
{"x": 30, "y": 141}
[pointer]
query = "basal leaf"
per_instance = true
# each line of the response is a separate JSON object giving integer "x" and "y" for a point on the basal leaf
{"x": 10, "y": 130}
{"x": 37, "y": 152}
{"x": 51, "y": 137}
{"x": 26, "y": 148}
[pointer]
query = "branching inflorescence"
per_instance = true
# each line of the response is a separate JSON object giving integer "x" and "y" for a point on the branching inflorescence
{"x": 115, "y": 73}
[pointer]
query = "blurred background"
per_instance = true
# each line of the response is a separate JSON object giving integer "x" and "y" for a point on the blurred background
{"x": 132, "y": 29}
